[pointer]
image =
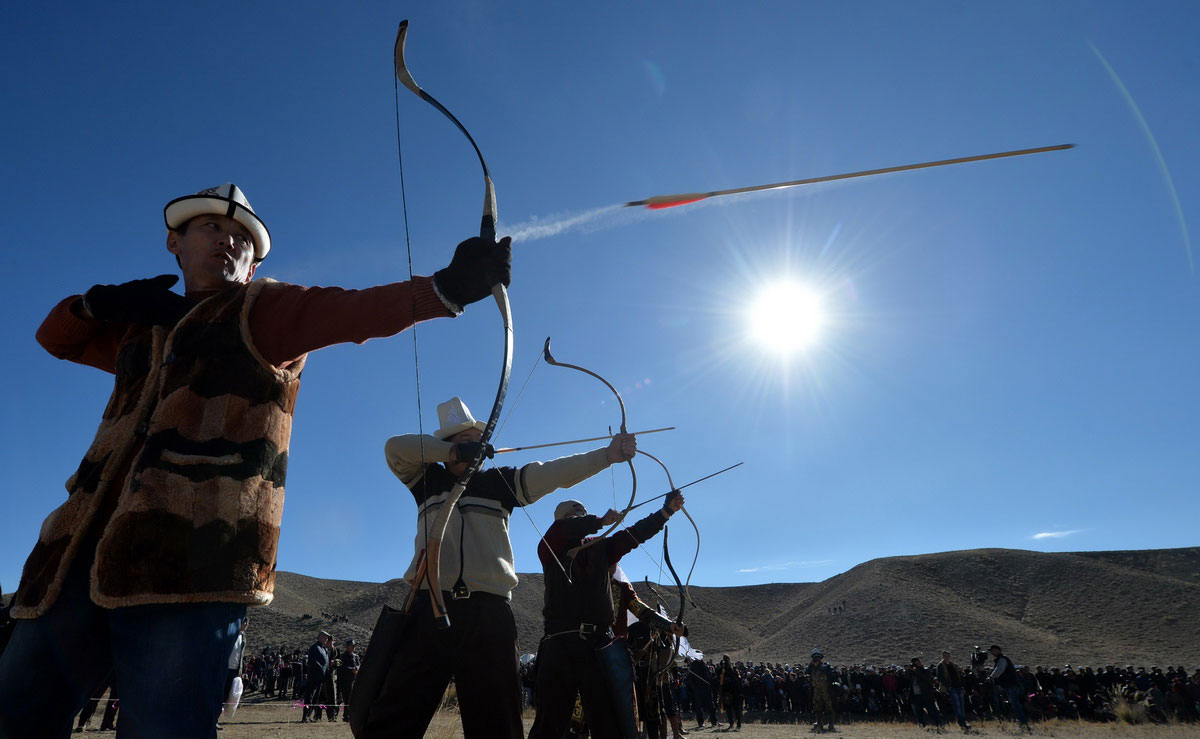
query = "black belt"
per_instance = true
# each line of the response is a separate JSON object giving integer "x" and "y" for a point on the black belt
{"x": 460, "y": 595}
{"x": 582, "y": 630}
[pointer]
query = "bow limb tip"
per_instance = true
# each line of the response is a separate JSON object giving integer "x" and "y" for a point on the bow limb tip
{"x": 402, "y": 73}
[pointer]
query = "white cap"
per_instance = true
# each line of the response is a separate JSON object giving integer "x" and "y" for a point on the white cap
{"x": 569, "y": 509}
{"x": 224, "y": 200}
{"x": 455, "y": 416}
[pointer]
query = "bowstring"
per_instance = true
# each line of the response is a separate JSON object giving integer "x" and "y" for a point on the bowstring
{"x": 612, "y": 478}
{"x": 640, "y": 545}
{"x": 541, "y": 536}
{"x": 513, "y": 405}
{"x": 416, "y": 353}
{"x": 528, "y": 517}
{"x": 492, "y": 463}
{"x": 424, "y": 511}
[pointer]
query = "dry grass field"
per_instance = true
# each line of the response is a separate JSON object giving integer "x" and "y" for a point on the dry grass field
{"x": 278, "y": 721}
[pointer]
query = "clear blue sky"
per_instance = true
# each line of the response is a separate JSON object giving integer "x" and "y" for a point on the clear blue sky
{"x": 1010, "y": 348}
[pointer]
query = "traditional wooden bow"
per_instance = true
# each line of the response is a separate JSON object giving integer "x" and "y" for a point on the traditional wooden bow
{"x": 429, "y": 561}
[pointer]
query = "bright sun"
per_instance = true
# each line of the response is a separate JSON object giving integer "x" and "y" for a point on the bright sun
{"x": 786, "y": 317}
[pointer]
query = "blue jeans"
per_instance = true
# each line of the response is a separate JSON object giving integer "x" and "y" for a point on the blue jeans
{"x": 957, "y": 700}
{"x": 169, "y": 662}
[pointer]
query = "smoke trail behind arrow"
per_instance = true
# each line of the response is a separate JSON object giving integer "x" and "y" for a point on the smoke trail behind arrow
{"x": 612, "y": 216}
{"x": 538, "y": 228}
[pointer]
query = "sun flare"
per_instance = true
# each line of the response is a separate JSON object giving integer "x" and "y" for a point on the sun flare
{"x": 786, "y": 317}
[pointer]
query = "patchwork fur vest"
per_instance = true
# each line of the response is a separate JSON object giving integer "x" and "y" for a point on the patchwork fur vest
{"x": 193, "y": 448}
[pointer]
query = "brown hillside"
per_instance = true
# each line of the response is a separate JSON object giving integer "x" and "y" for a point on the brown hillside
{"x": 1084, "y": 608}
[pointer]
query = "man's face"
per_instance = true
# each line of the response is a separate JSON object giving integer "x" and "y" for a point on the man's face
{"x": 466, "y": 436}
{"x": 214, "y": 252}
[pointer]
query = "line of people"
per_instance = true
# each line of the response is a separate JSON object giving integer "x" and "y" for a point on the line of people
{"x": 930, "y": 694}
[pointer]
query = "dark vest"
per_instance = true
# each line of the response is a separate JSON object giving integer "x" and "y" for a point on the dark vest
{"x": 191, "y": 456}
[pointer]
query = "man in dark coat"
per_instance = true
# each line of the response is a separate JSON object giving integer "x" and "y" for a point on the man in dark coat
{"x": 314, "y": 678}
{"x": 700, "y": 680}
{"x": 729, "y": 685}
{"x": 1004, "y": 674}
{"x": 922, "y": 694}
{"x": 347, "y": 669}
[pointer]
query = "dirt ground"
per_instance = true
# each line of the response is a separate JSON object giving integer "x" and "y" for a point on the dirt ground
{"x": 280, "y": 720}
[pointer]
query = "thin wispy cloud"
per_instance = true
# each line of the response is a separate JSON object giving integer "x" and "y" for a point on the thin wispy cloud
{"x": 789, "y": 565}
{"x": 1168, "y": 181}
{"x": 1055, "y": 534}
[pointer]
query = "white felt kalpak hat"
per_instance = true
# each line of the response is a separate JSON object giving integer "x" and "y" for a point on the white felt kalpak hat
{"x": 224, "y": 200}
{"x": 570, "y": 508}
{"x": 455, "y": 416}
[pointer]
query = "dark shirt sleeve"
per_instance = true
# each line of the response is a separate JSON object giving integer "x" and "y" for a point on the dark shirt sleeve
{"x": 626, "y": 540}
{"x": 562, "y": 535}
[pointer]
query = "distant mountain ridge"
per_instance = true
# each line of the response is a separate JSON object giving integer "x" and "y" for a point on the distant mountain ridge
{"x": 1119, "y": 607}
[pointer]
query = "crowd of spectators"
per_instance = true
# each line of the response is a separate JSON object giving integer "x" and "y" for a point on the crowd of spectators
{"x": 275, "y": 673}
{"x": 781, "y": 692}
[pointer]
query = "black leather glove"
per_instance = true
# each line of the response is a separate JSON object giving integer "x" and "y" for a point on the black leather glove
{"x": 668, "y": 511}
{"x": 149, "y": 301}
{"x": 477, "y": 265}
{"x": 468, "y": 450}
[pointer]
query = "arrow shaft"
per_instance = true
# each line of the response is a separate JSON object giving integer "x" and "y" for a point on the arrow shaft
{"x": 668, "y": 201}
{"x": 681, "y": 487}
{"x": 506, "y": 450}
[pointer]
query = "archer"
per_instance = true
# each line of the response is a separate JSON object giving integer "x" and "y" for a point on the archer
{"x": 412, "y": 658}
{"x": 172, "y": 522}
{"x": 579, "y": 651}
